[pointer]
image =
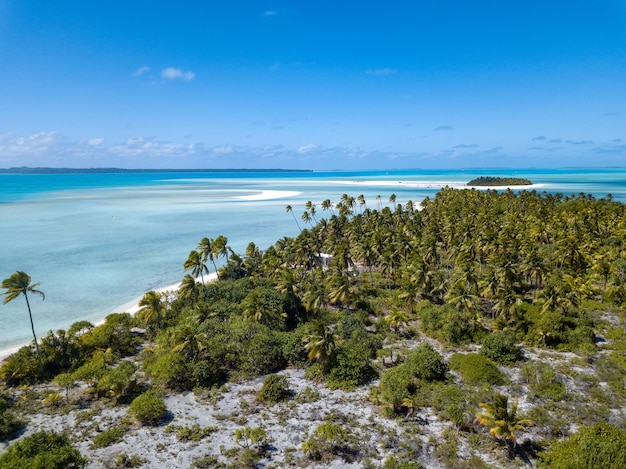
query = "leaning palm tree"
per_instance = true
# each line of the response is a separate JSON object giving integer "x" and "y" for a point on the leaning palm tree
{"x": 289, "y": 208}
{"x": 196, "y": 264}
{"x": 19, "y": 284}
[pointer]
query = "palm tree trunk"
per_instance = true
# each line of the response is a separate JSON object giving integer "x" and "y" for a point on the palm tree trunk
{"x": 32, "y": 326}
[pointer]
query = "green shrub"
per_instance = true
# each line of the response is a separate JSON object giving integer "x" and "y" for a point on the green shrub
{"x": 392, "y": 462}
{"x": 330, "y": 440}
{"x": 9, "y": 423}
{"x": 115, "y": 334}
{"x": 351, "y": 367}
{"x": 447, "y": 324}
{"x": 148, "y": 408}
{"x": 599, "y": 446}
{"x": 206, "y": 373}
{"x": 395, "y": 385}
{"x": 426, "y": 363}
{"x": 476, "y": 369}
{"x": 118, "y": 383}
{"x": 42, "y": 450}
{"x": 169, "y": 369}
{"x": 124, "y": 460}
{"x": 254, "y": 349}
{"x": 292, "y": 347}
{"x": 22, "y": 367}
{"x": 275, "y": 389}
{"x": 500, "y": 347}
{"x": 110, "y": 436}
{"x": 193, "y": 433}
{"x": 250, "y": 436}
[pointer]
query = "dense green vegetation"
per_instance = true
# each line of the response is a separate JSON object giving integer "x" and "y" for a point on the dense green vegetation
{"x": 455, "y": 307}
{"x": 499, "y": 181}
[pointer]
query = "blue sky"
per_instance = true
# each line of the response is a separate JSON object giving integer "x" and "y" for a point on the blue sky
{"x": 312, "y": 84}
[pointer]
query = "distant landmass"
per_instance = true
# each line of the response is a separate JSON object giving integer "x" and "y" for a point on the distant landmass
{"x": 26, "y": 170}
{"x": 499, "y": 181}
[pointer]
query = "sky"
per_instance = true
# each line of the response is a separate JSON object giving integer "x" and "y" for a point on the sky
{"x": 312, "y": 84}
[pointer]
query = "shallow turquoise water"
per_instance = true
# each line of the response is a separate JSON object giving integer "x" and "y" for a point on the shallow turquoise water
{"x": 97, "y": 241}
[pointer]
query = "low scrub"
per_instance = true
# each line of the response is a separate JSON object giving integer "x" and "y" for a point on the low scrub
{"x": 476, "y": 369}
{"x": 148, "y": 408}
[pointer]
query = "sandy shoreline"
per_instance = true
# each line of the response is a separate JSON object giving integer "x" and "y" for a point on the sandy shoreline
{"x": 130, "y": 307}
{"x": 268, "y": 195}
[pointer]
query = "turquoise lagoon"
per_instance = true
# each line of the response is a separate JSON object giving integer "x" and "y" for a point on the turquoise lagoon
{"x": 97, "y": 242}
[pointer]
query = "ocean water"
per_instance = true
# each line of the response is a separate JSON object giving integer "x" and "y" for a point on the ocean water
{"x": 99, "y": 241}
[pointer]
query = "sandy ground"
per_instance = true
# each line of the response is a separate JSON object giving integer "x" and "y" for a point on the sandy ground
{"x": 288, "y": 425}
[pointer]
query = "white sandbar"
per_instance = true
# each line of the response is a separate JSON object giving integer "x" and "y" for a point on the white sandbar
{"x": 268, "y": 195}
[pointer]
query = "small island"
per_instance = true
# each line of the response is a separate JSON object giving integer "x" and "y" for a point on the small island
{"x": 498, "y": 181}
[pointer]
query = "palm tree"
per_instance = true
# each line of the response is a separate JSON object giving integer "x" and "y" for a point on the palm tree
{"x": 501, "y": 421}
{"x": 289, "y": 208}
{"x": 196, "y": 264}
{"x": 320, "y": 342}
{"x": 152, "y": 304}
{"x": 205, "y": 247}
{"x": 19, "y": 284}
{"x": 396, "y": 319}
{"x": 220, "y": 247}
{"x": 188, "y": 288}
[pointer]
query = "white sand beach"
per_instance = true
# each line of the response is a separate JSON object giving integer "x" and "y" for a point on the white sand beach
{"x": 268, "y": 195}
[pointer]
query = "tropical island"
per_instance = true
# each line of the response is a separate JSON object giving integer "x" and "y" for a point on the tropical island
{"x": 46, "y": 170}
{"x": 499, "y": 181}
{"x": 474, "y": 329}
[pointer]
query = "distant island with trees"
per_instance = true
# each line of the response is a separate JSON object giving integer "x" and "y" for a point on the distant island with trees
{"x": 27, "y": 170}
{"x": 499, "y": 181}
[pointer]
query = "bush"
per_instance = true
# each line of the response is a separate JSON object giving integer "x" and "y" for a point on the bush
{"x": 110, "y": 436}
{"x": 396, "y": 384}
{"x": 114, "y": 334}
{"x": 42, "y": 450}
{"x": 9, "y": 423}
{"x": 254, "y": 349}
{"x": 328, "y": 441}
{"x": 447, "y": 324}
{"x": 292, "y": 347}
{"x": 351, "y": 367}
{"x": 500, "y": 347}
{"x": 275, "y": 389}
{"x": 206, "y": 373}
{"x": 22, "y": 367}
{"x": 118, "y": 383}
{"x": 169, "y": 369}
{"x": 476, "y": 369}
{"x": 599, "y": 446}
{"x": 148, "y": 408}
{"x": 426, "y": 363}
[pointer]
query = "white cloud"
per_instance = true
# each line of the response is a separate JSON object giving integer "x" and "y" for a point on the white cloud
{"x": 381, "y": 72}
{"x": 141, "y": 71}
{"x": 94, "y": 142}
{"x": 172, "y": 73}
{"x": 307, "y": 148}
{"x": 270, "y": 13}
{"x": 223, "y": 150}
